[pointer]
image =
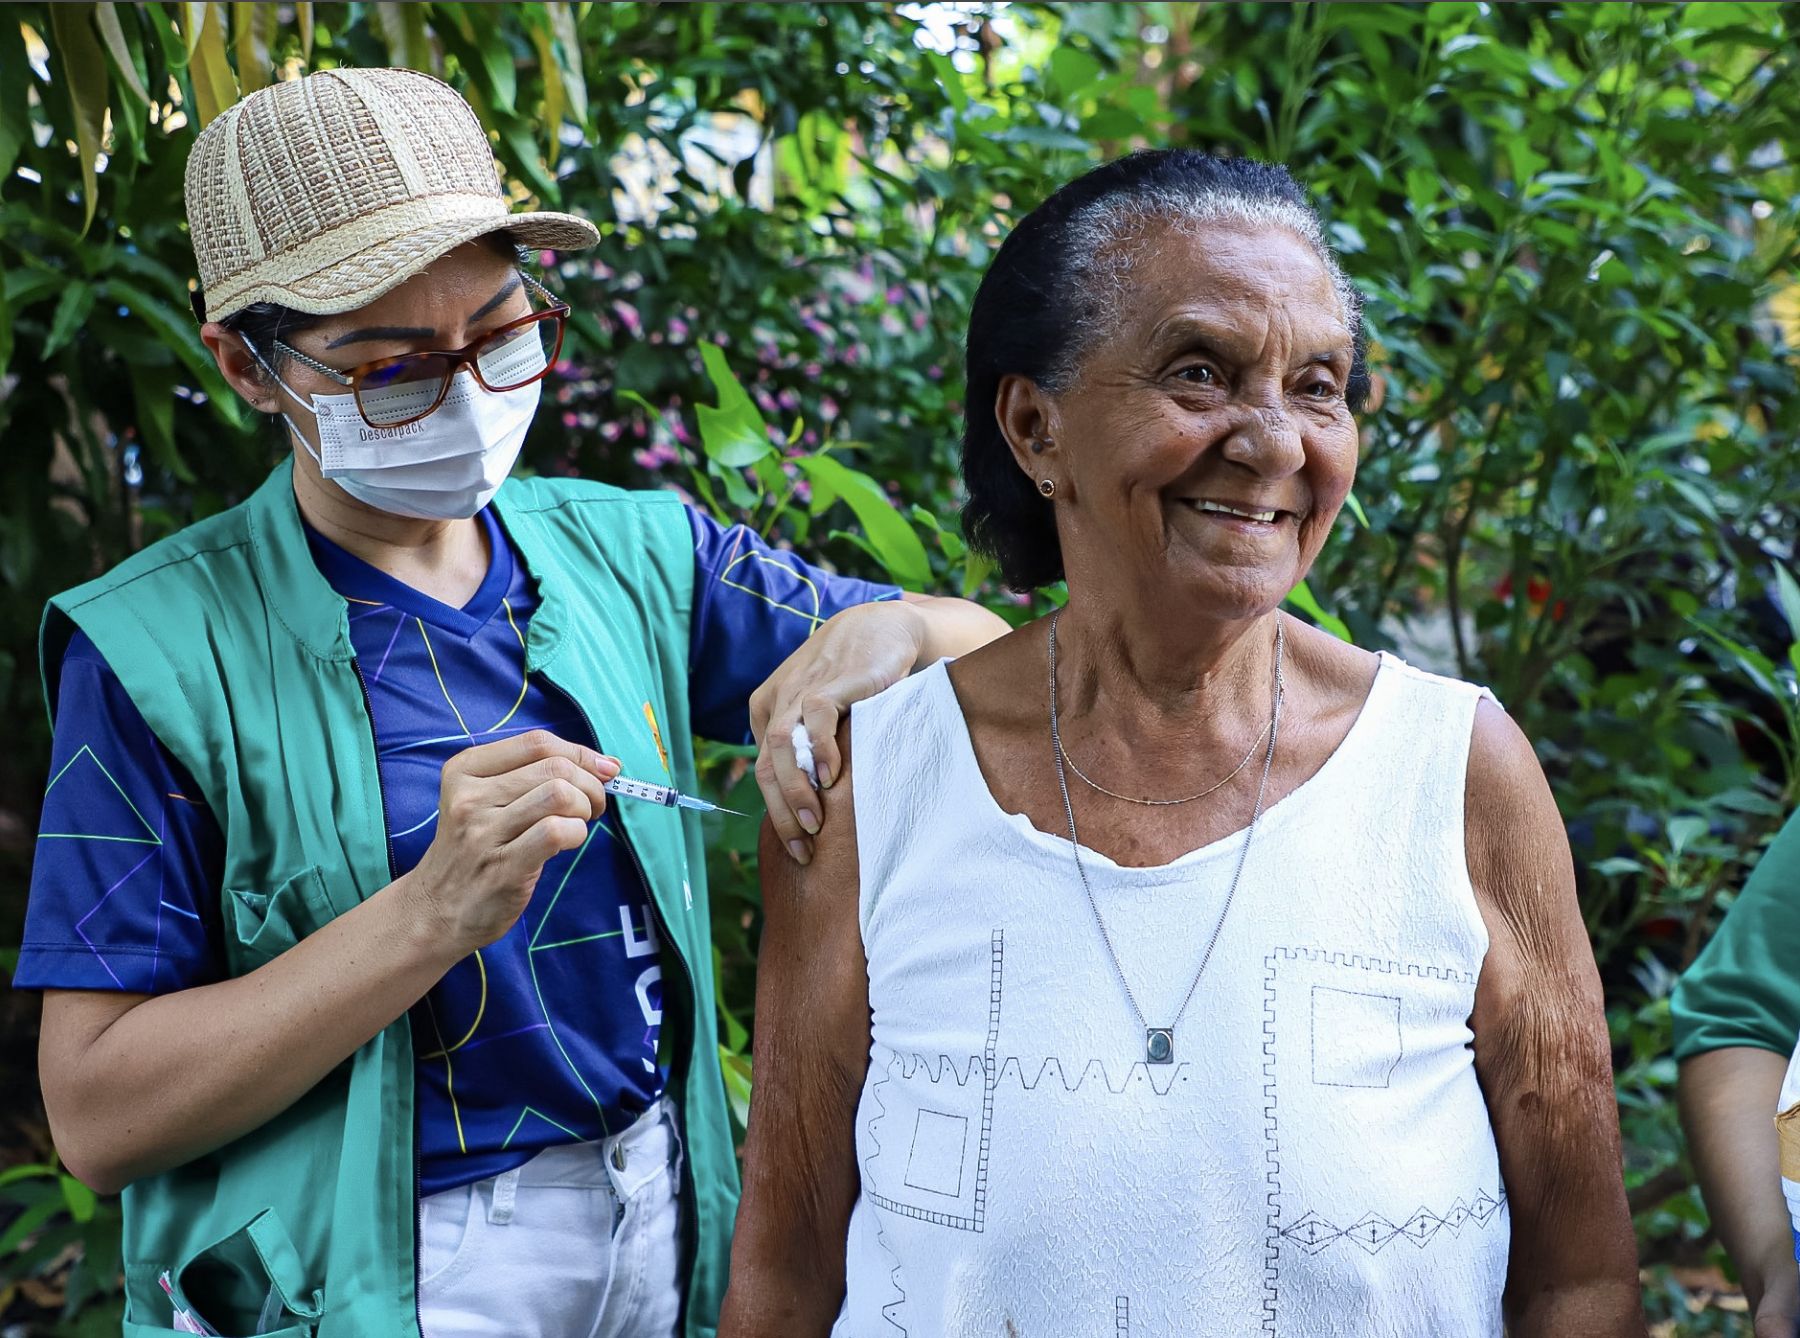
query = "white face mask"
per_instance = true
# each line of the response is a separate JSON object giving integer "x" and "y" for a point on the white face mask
{"x": 446, "y": 466}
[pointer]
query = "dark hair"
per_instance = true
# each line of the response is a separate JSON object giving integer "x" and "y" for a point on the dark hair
{"x": 265, "y": 324}
{"x": 1052, "y": 292}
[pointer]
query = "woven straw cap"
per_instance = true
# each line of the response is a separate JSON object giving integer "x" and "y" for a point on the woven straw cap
{"x": 323, "y": 193}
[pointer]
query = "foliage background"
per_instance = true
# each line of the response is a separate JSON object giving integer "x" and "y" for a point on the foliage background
{"x": 1576, "y": 228}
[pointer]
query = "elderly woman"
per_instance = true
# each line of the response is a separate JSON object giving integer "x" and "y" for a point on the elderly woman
{"x": 354, "y": 979}
{"x": 1169, "y": 966}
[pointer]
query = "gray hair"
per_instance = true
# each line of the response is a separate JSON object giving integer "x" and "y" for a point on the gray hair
{"x": 1106, "y": 238}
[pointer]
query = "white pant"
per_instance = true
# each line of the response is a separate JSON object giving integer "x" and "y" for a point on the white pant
{"x": 582, "y": 1241}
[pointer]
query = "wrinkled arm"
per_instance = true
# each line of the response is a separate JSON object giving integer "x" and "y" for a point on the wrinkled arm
{"x": 1728, "y": 1100}
{"x": 812, "y": 1049}
{"x": 1542, "y": 1055}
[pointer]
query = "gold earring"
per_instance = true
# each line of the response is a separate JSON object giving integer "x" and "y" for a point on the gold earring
{"x": 1047, "y": 487}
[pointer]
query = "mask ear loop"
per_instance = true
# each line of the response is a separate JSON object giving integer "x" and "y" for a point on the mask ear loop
{"x": 293, "y": 394}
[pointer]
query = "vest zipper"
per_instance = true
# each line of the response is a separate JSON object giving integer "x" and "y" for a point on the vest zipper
{"x": 681, "y": 1053}
{"x": 388, "y": 847}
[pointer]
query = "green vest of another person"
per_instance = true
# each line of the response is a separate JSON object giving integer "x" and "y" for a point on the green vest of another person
{"x": 238, "y": 654}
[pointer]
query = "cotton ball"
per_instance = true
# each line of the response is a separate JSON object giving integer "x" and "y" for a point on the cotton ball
{"x": 803, "y": 754}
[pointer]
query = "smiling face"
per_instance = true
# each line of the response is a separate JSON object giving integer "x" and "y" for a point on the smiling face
{"x": 1204, "y": 447}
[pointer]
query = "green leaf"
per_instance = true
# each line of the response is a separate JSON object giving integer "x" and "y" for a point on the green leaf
{"x": 1362, "y": 517}
{"x": 403, "y": 31}
{"x": 977, "y": 567}
{"x": 568, "y": 49}
{"x": 255, "y": 23}
{"x": 106, "y": 19}
{"x": 153, "y": 390}
{"x": 1755, "y": 666}
{"x": 895, "y": 544}
{"x": 28, "y": 1222}
{"x": 79, "y": 1197}
{"x": 72, "y": 309}
{"x": 209, "y": 69}
{"x": 732, "y": 432}
{"x": 1684, "y": 831}
{"x": 1789, "y": 594}
{"x": 737, "y": 1083}
{"x": 1302, "y": 598}
{"x": 178, "y": 332}
{"x": 16, "y": 81}
{"x": 950, "y": 78}
{"x": 84, "y": 67}
{"x": 31, "y": 1171}
{"x": 1073, "y": 69}
{"x": 6, "y": 331}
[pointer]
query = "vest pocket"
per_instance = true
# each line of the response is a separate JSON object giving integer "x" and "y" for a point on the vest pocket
{"x": 267, "y": 924}
{"x": 250, "y": 1282}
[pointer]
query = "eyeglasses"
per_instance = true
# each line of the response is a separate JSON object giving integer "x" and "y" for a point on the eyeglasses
{"x": 392, "y": 392}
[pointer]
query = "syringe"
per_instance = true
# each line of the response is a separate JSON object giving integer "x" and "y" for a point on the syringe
{"x": 665, "y": 795}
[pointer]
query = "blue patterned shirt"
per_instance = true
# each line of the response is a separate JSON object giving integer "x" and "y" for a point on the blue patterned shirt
{"x": 518, "y": 1050}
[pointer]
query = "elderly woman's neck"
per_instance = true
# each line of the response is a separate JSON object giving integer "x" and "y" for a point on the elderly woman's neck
{"x": 1113, "y": 665}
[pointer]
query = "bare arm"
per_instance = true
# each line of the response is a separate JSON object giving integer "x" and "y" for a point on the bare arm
{"x": 1728, "y": 1100}
{"x": 135, "y": 1084}
{"x": 812, "y": 1050}
{"x": 1542, "y": 1055}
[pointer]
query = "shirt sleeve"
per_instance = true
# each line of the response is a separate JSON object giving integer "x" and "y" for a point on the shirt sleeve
{"x": 129, "y": 858}
{"x": 753, "y": 606}
{"x": 1744, "y": 988}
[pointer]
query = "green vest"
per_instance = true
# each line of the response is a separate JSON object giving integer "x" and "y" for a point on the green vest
{"x": 238, "y": 654}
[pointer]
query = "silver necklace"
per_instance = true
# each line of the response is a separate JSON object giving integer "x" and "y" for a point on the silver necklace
{"x": 1159, "y": 1042}
{"x": 1224, "y": 780}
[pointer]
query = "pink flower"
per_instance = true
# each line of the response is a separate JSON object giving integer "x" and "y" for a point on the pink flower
{"x": 570, "y": 420}
{"x": 629, "y": 318}
{"x": 828, "y": 408}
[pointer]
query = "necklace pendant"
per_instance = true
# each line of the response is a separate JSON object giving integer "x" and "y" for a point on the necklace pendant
{"x": 1159, "y": 1045}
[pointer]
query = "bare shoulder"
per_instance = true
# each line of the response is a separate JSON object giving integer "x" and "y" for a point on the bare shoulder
{"x": 1005, "y": 678}
{"x": 824, "y": 891}
{"x": 1326, "y": 684}
{"x": 1517, "y": 848}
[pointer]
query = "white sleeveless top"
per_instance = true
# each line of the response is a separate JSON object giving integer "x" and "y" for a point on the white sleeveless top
{"x": 1317, "y": 1159}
